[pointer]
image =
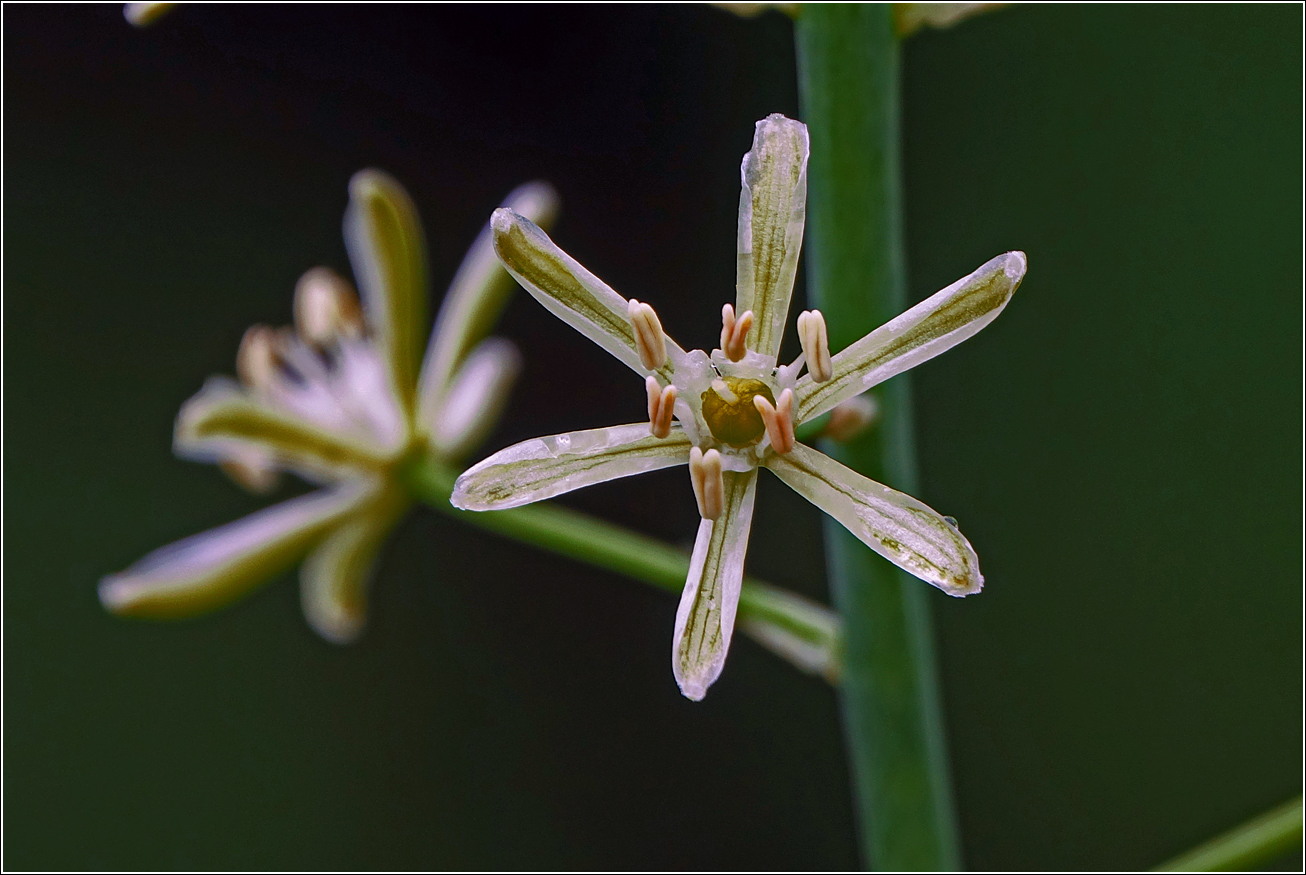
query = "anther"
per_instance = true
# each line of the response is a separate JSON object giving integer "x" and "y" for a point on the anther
{"x": 734, "y": 331}
{"x": 852, "y": 417}
{"x": 779, "y": 420}
{"x": 709, "y": 486}
{"x": 816, "y": 344}
{"x": 326, "y": 308}
{"x": 256, "y": 361}
{"x": 650, "y": 342}
{"x": 661, "y": 404}
{"x": 251, "y": 472}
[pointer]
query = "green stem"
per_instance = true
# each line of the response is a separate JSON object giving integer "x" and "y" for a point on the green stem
{"x": 800, "y": 630}
{"x": 848, "y": 84}
{"x": 1258, "y": 841}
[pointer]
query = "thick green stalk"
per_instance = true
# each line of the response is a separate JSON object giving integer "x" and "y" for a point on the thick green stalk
{"x": 1249, "y": 846}
{"x": 801, "y": 631}
{"x": 848, "y": 82}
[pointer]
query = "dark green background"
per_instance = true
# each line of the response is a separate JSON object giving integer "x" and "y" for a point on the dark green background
{"x": 1123, "y": 446}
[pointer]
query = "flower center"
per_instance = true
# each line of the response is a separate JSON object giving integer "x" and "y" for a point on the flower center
{"x": 729, "y": 411}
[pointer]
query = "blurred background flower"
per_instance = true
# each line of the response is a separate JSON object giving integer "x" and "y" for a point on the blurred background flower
{"x": 1122, "y": 448}
{"x": 339, "y": 399}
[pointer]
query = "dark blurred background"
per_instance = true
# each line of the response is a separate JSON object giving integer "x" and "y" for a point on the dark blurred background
{"x": 1123, "y": 446}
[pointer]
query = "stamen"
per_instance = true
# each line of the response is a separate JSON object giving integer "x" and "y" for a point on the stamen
{"x": 294, "y": 360}
{"x": 650, "y": 341}
{"x": 734, "y": 332}
{"x": 816, "y": 344}
{"x": 326, "y": 308}
{"x": 251, "y": 472}
{"x": 256, "y": 361}
{"x": 786, "y": 375}
{"x": 661, "y": 404}
{"x": 709, "y": 486}
{"x": 779, "y": 420}
{"x": 852, "y": 417}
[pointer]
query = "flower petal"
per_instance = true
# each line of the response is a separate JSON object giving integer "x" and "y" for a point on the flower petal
{"x": 145, "y": 14}
{"x": 772, "y": 209}
{"x": 935, "y": 325}
{"x": 473, "y": 401}
{"x": 898, "y": 527}
{"x": 544, "y": 467}
{"x": 809, "y": 655}
{"x": 911, "y": 17}
{"x": 359, "y": 387}
{"x": 383, "y": 235}
{"x": 705, "y": 619}
{"x": 225, "y": 422}
{"x": 211, "y": 569}
{"x": 334, "y": 578}
{"x": 475, "y": 299}
{"x": 568, "y": 290}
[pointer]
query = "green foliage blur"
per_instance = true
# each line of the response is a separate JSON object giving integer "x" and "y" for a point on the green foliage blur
{"x": 1123, "y": 446}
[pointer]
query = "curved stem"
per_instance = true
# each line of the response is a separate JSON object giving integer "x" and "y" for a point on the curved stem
{"x": 1258, "y": 841}
{"x": 800, "y": 630}
{"x": 848, "y": 85}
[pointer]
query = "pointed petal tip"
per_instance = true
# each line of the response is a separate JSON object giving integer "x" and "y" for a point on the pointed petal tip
{"x": 777, "y": 129}
{"x": 778, "y": 120}
{"x": 115, "y": 594}
{"x": 970, "y": 587}
{"x": 194, "y": 409}
{"x": 1015, "y": 266}
{"x": 368, "y": 179}
{"x": 692, "y": 690}
{"x": 145, "y": 14}
{"x": 694, "y": 682}
{"x": 462, "y": 498}
{"x": 502, "y": 219}
{"x": 505, "y": 219}
{"x": 333, "y": 627}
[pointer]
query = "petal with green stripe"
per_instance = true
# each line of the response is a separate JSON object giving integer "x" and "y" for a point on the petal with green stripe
{"x": 568, "y": 290}
{"x": 772, "y": 209}
{"x": 908, "y": 533}
{"x": 387, "y": 249}
{"x": 334, "y": 579}
{"x": 935, "y": 325}
{"x": 705, "y": 619}
{"x": 474, "y": 399}
{"x": 541, "y": 468}
{"x": 475, "y": 298}
{"x": 211, "y": 569}
{"x": 224, "y": 421}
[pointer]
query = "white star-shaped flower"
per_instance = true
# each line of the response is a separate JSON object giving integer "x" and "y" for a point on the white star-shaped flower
{"x": 344, "y": 400}
{"x": 736, "y": 409}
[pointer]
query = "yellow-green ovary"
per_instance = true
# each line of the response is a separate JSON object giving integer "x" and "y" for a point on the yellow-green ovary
{"x": 736, "y": 423}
